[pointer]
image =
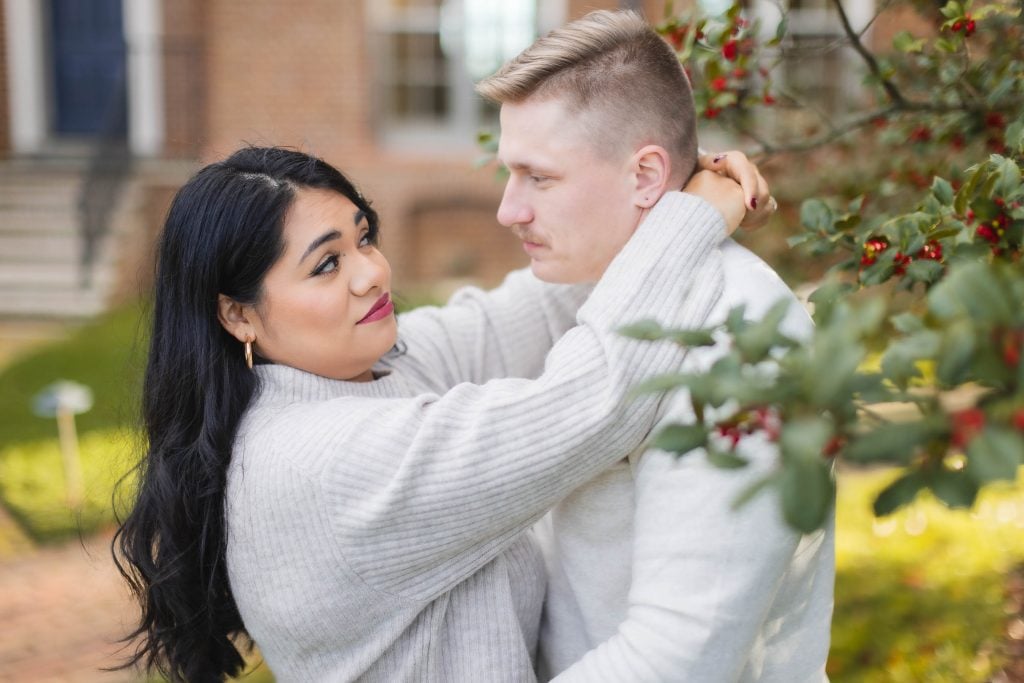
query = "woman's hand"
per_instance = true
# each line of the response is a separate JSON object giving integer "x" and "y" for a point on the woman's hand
{"x": 722, "y": 193}
{"x": 757, "y": 201}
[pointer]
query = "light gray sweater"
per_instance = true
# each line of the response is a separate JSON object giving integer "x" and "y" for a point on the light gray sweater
{"x": 655, "y": 578}
{"x": 376, "y": 530}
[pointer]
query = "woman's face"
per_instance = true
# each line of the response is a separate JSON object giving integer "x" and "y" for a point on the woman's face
{"x": 326, "y": 304}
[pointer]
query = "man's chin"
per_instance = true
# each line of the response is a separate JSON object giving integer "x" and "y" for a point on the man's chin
{"x": 556, "y": 275}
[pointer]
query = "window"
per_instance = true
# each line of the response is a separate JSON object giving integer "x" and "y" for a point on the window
{"x": 427, "y": 55}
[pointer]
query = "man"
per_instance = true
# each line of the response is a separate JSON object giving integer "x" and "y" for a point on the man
{"x": 652, "y": 575}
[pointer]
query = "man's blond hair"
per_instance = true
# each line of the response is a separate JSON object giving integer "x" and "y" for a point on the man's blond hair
{"x": 614, "y": 65}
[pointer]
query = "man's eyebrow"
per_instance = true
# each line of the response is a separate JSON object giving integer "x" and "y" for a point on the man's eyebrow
{"x": 526, "y": 167}
{"x": 357, "y": 218}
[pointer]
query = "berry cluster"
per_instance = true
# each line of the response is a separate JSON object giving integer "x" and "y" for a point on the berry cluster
{"x": 963, "y": 25}
{"x": 761, "y": 419}
{"x": 874, "y": 246}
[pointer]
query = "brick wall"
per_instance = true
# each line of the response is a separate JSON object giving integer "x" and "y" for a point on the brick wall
{"x": 184, "y": 78}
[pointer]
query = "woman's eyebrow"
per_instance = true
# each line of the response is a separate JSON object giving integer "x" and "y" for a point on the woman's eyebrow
{"x": 326, "y": 237}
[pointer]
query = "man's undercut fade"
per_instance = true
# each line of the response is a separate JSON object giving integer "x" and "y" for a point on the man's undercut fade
{"x": 612, "y": 67}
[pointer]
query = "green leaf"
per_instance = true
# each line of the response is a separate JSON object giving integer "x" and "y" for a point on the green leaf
{"x": 751, "y": 491}
{"x": 971, "y": 290}
{"x": 780, "y": 30}
{"x": 725, "y": 460}
{"x": 891, "y": 442}
{"x": 942, "y": 190}
{"x": 952, "y": 9}
{"x": 680, "y": 438}
{"x": 816, "y": 216}
{"x": 905, "y": 42}
{"x": 898, "y": 493}
{"x": 994, "y": 454}
{"x": 808, "y": 492}
{"x": 648, "y": 330}
{"x": 954, "y": 488}
{"x": 953, "y": 365}
{"x": 756, "y": 342}
{"x": 691, "y": 338}
{"x": 907, "y": 323}
{"x": 804, "y": 438}
{"x": 925, "y": 270}
{"x": 1009, "y": 178}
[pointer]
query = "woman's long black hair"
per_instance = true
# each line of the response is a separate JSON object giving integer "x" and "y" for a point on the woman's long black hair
{"x": 223, "y": 233}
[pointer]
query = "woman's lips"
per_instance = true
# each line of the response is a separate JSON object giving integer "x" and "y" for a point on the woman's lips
{"x": 382, "y": 308}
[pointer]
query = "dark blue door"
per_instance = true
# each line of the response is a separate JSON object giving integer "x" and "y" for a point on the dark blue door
{"x": 89, "y": 67}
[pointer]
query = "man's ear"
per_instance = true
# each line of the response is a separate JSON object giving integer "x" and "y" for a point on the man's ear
{"x": 234, "y": 317}
{"x": 651, "y": 168}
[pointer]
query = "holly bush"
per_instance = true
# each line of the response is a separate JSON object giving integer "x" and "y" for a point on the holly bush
{"x": 924, "y": 306}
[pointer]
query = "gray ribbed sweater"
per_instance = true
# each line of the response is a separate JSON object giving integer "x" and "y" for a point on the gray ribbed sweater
{"x": 376, "y": 530}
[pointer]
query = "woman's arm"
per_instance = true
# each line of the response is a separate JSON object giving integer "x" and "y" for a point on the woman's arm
{"x": 428, "y": 490}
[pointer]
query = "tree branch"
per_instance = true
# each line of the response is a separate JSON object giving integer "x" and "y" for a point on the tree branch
{"x": 890, "y": 88}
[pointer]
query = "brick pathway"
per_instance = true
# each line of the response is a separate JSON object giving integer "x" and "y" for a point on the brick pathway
{"x": 62, "y": 610}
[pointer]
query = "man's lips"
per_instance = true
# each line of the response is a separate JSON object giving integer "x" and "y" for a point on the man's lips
{"x": 382, "y": 308}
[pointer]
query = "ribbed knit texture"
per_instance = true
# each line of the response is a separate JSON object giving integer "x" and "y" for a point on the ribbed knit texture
{"x": 376, "y": 530}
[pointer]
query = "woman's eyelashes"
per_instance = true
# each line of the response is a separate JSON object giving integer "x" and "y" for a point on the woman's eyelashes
{"x": 332, "y": 260}
{"x": 327, "y": 265}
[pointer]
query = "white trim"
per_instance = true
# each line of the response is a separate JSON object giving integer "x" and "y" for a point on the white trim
{"x": 142, "y": 31}
{"x": 26, "y": 75}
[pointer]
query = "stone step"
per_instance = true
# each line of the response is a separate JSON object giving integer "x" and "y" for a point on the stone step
{"x": 38, "y": 220}
{"x": 57, "y": 248}
{"x": 68, "y": 304}
{"x": 51, "y": 276}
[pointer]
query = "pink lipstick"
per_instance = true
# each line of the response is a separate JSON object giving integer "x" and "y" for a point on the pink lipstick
{"x": 381, "y": 309}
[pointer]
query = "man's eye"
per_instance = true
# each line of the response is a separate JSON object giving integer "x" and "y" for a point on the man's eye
{"x": 538, "y": 178}
{"x": 328, "y": 265}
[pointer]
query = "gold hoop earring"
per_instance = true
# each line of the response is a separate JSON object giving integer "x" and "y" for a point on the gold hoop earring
{"x": 248, "y": 354}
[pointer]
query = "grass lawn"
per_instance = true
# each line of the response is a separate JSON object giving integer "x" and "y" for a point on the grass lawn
{"x": 919, "y": 595}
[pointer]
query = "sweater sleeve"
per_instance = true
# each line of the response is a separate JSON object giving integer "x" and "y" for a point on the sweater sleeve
{"x": 430, "y": 489}
{"x": 480, "y": 335}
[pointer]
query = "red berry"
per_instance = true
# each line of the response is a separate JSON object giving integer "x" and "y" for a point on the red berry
{"x": 932, "y": 250}
{"x": 957, "y": 26}
{"x": 739, "y": 73}
{"x": 711, "y": 112}
{"x": 730, "y": 50}
{"x": 719, "y": 84}
{"x": 966, "y": 425}
{"x": 969, "y": 29}
{"x": 1018, "y": 419}
{"x": 999, "y": 201}
{"x": 957, "y": 141}
{"x": 699, "y": 35}
{"x": 834, "y": 445}
{"x": 995, "y": 120}
{"x": 768, "y": 99}
{"x": 970, "y": 216}
{"x": 921, "y": 134}
{"x": 900, "y": 261}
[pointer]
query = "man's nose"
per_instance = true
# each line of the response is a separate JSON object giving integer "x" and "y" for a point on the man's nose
{"x": 513, "y": 209}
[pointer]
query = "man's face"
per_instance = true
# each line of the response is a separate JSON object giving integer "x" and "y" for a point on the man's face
{"x": 567, "y": 198}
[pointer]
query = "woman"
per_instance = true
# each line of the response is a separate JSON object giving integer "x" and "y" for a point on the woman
{"x": 353, "y": 505}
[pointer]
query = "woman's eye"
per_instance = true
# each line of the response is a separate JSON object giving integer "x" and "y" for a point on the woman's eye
{"x": 327, "y": 265}
{"x": 368, "y": 239}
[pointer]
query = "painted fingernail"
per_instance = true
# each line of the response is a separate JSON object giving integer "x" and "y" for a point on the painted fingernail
{"x": 718, "y": 157}
{"x": 753, "y": 203}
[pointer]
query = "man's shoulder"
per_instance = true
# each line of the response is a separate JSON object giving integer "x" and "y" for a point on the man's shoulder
{"x": 753, "y": 283}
